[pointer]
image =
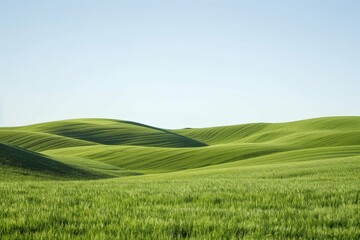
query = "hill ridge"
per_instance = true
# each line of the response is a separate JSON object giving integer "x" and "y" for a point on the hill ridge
{"x": 121, "y": 148}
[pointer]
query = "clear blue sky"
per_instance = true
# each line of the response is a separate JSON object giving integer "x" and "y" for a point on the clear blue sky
{"x": 179, "y": 63}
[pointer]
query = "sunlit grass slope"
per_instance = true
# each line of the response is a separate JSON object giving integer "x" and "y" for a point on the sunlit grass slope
{"x": 317, "y": 199}
{"x": 227, "y": 144}
{"x": 150, "y": 160}
{"x": 132, "y": 148}
{"x": 97, "y": 168}
{"x": 38, "y": 141}
{"x": 297, "y": 180}
{"x": 114, "y": 132}
{"x": 319, "y": 132}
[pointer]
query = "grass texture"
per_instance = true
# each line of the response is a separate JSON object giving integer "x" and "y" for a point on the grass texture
{"x": 101, "y": 179}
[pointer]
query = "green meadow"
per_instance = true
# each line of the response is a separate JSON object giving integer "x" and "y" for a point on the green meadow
{"x": 111, "y": 179}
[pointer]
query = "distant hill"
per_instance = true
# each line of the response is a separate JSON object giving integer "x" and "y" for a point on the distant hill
{"x": 99, "y": 148}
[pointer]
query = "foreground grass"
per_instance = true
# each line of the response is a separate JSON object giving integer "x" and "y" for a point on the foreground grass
{"x": 300, "y": 200}
{"x": 297, "y": 180}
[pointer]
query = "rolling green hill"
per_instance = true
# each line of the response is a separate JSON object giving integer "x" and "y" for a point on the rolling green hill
{"x": 38, "y": 141}
{"x": 110, "y": 179}
{"x": 137, "y": 148}
{"x": 18, "y": 163}
{"x": 114, "y": 132}
{"x": 332, "y": 131}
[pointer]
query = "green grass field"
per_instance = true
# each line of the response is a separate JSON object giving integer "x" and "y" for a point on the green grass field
{"x": 110, "y": 179}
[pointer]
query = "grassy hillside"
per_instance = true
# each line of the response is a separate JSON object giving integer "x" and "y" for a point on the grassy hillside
{"x": 38, "y": 141}
{"x": 316, "y": 199}
{"x": 297, "y": 180}
{"x": 331, "y": 131}
{"x": 138, "y": 148}
{"x": 224, "y": 144}
{"x": 17, "y": 163}
{"x": 114, "y": 132}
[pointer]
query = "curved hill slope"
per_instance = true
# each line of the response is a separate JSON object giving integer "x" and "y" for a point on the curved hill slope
{"x": 114, "y": 132}
{"x": 39, "y": 141}
{"x": 15, "y": 161}
{"x": 334, "y": 131}
{"x": 151, "y": 160}
{"x": 121, "y": 148}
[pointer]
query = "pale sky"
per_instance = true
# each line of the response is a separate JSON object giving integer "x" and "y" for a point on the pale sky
{"x": 176, "y": 64}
